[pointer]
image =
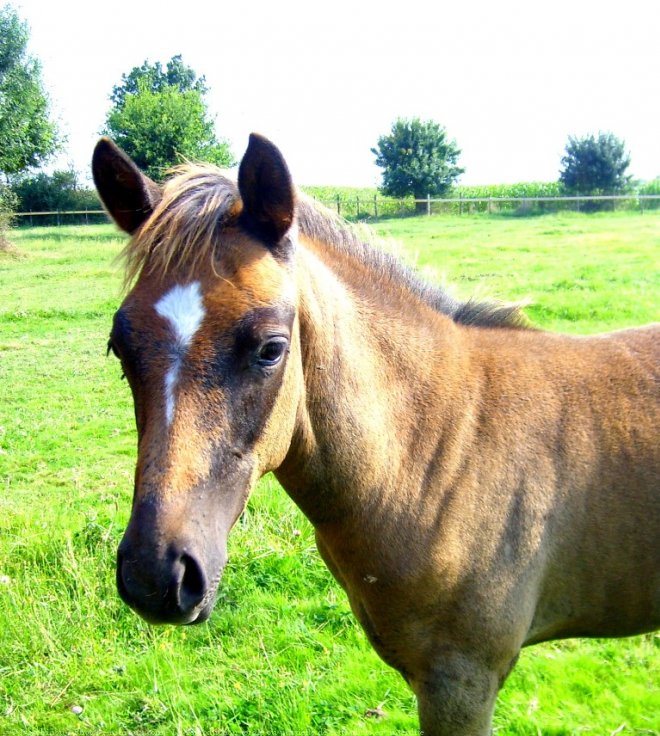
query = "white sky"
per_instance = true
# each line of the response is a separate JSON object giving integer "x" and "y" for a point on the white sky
{"x": 509, "y": 80}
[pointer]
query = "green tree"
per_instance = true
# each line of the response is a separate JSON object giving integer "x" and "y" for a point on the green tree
{"x": 159, "y": 117}
{"x": 417, "y": 158}
{"x": 176, "y": 74}
{"x": 27, "y": 135}
{"x": 595, "y": 165}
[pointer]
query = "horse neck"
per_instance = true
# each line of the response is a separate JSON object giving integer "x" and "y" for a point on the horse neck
{"x": 371, "y": 355}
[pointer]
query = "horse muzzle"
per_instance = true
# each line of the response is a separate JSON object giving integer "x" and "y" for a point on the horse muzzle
{"x": 175, "y": 589}
{"x": 170, "y": 561}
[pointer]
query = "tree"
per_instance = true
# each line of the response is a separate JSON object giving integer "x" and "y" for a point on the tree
{"x": 417, "y": 158}
{"x": 176, "y": 74}
{"x": 159, "y": 117}
{"x": 595, "y": 165}
{"x": 27, "y": 135}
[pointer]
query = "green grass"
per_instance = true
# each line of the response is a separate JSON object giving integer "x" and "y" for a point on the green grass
{"x": 282, "y": 653}
{"x": 581, "y": 273}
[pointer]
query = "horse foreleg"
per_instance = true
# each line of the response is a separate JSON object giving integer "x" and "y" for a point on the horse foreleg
{"x": 456, "y": 697}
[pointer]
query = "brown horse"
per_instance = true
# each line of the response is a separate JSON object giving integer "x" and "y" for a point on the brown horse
{"x": 475, "y": 485}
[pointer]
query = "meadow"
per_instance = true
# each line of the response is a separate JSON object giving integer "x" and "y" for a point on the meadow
{"x": 282, "y": 653}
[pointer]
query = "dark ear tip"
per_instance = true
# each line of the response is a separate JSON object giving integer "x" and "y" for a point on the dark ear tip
{"x": 259, "y": 143}
{"x": 104, "y": 149}
{"x": 104, "y": 144}
{"x": 259, "y": 151}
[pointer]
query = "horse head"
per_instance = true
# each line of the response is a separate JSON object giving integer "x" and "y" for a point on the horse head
{"x": 207, "y": 338}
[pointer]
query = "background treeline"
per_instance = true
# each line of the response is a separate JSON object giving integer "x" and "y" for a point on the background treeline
{"x": 62, "y": 191}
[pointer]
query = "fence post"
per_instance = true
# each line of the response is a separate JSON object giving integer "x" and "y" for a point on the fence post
{"x": 357, "y": 209}
{"x": 375, "y": 205}
{"x": 428, "y": 203}
{"x": 460, "y": 204}
{"x": 338, "y": 205}
{"x": 58, "y": 218}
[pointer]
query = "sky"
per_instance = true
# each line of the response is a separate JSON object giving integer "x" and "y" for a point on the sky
{"x": 510, "y": 81}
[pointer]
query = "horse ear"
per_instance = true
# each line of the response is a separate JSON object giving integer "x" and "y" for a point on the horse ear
{"x": 266, "y": 189}
{"x": 128, "y": 195}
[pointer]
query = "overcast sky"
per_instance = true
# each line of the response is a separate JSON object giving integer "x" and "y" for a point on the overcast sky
{"x": 509, "y": 80}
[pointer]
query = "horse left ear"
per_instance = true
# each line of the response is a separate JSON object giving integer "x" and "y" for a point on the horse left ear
{"x": 128, "y": 195}
{"x": 266, "y": 189}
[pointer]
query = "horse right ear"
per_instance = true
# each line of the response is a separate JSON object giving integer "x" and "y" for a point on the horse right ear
{"x": 264, "y": 183}
{"x": 128, "y": 195}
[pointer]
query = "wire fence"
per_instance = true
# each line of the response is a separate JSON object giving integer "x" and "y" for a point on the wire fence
{"x": 365, "y": 208}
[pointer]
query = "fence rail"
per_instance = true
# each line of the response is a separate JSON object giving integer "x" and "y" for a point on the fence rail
{"x": 58, "y": 215}
{"x": 385, "y": 206}
{"x": 366, "y": 207}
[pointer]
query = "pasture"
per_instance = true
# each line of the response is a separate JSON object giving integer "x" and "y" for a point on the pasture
{"x": 282, "y": 648}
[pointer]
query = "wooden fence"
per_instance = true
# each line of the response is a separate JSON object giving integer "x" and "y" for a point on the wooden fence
{"x": 374, "y": 207}
{"x": 61, "y": 217}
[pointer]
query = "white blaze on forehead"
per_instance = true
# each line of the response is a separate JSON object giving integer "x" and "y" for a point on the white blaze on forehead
{"x": 183, "y": 309}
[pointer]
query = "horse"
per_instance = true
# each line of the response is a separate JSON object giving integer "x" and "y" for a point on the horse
{"x": 476, "y": 485}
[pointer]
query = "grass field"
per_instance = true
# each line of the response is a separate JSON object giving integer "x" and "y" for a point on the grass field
{"x": 282, "y": 653}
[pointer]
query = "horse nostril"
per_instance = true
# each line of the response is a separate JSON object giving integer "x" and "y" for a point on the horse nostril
{"x": 172, "y": 589}
{"x": 192, "y": 587}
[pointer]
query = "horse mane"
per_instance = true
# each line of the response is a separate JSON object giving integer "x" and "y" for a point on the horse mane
{"x": 183, "y": 230}
{"x": 323, "y": 225}
{"x": 199, "y": 201}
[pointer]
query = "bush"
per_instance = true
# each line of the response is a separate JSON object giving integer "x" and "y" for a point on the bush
{"x": 52, "y": 192}
{"x": 650, "y": 187}
{"x": 56, "y": 192}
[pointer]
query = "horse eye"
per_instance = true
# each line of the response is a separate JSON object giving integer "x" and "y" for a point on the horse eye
{"x": 271, "y": 352}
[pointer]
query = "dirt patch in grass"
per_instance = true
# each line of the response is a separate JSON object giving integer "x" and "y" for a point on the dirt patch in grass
{"x": 8, "y": 249}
